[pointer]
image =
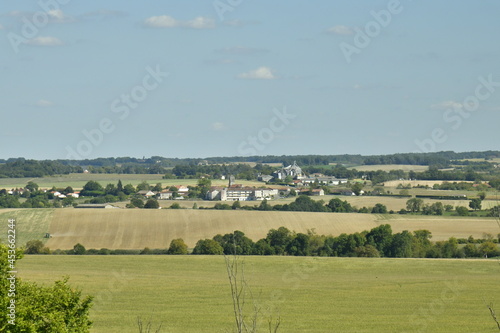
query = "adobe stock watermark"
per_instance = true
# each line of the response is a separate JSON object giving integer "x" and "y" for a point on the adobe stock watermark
{"x": 292, "y": 280}
{"x": 121, "y": 107}
{"x": 363, "y": 37}
{"x": 116, "y": 284}
{"x": 456, "y": 114}
{"x": 223, "y": 6}
{"x": 12, "y": 272}
{"x": 31, "y": 26}
{"x": 277, "y": 124}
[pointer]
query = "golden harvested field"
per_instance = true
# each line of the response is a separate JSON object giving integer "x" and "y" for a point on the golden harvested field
{"x": 396, "y": 204}
{"x": 389, "y": 167}
{"x": 430, "y": 183}
{"x": 136, "y": 229}
{"x": 493, "y": 160}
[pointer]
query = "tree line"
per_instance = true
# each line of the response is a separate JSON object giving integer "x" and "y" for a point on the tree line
{"x": 20, "y": 167}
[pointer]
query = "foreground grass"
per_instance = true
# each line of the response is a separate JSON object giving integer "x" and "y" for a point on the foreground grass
{"x": 191, "y": 293}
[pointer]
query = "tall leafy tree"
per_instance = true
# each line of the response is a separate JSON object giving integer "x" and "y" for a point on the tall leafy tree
{"x": 414, "y": 205}
{"x": 177, "y": 246}
{"x": 475, "y": 204}
{"x": 381, "y": 238}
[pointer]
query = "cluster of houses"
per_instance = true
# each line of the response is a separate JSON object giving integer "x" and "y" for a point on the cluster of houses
{"x": 57, "y": 194}
{"x": 60, "y": 195}
{"x": 239, "y": 192}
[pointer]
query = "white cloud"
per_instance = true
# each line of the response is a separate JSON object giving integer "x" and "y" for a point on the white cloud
{"x": 261, "y": 73}
{"x": 447, "y": 105}
{"x": 45, "y": 41}
{"x": 165, "y": 21}
{"x": 58, "y": 16}
{"x": 43, "y": 103}
{"x": 200, "y": 23}
{"x": 1, "y": 27}
{"x": 340, "y": 30}
{"x": 218, "y": 126}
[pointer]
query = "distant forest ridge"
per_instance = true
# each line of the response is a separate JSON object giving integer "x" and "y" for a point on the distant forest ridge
{"x": 21, "y": 167}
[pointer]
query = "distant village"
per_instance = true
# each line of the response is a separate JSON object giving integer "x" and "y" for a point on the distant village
{"x": 287, "y": 179}
{"x": 238, "y": 192}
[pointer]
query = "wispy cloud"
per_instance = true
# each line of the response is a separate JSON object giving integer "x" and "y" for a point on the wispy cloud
{"x": 242, "y": 50}
{"x": 218, "y": 126}
{"x": 261, "y": 73}
{"x": 53, "y": 16}
{"x": 45, "y": 41}
{"x": 43, "y": 103}
{"x": 340, "y": 30}
{"x": 447, "y": 105}
{"x": 225, "y": 61}
{"x": 165, "y": 21}
{"x": 58, "y": 16}
{"x": 200, "y": 23}
{"x": 1, "y": 27}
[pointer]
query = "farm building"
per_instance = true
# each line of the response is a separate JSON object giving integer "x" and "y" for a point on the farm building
{"x": 264, "y": 178}
{"x": 182, "y": 189}
{"x": 147, "y": 193}
{"x": 100, "y": 206}
{"x": 307, "y": 191}
{"x": 318, "y": 191}
{"x": 165, "y": 195}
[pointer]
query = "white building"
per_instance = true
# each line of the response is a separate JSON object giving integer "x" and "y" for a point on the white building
{"x": 324, "y": 180}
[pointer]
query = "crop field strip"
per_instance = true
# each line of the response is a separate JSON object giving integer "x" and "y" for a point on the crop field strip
{"x": 136, "y": 229}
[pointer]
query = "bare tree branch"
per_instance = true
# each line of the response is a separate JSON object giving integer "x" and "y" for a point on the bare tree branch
{"x": 239, "y": 290}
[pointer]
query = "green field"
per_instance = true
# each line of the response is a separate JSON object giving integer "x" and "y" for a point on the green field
{"x": 30, "y": 224}
{"x": 191, "y": 294}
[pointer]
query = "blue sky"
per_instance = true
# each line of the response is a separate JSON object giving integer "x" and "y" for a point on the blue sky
{"x": 86, "y": 79}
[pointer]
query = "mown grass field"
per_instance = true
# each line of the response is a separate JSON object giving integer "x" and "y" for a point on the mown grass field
{"x": 30, "y": 224}
{"x": 137, "y": 229}
{"x": 190, "y": 294}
